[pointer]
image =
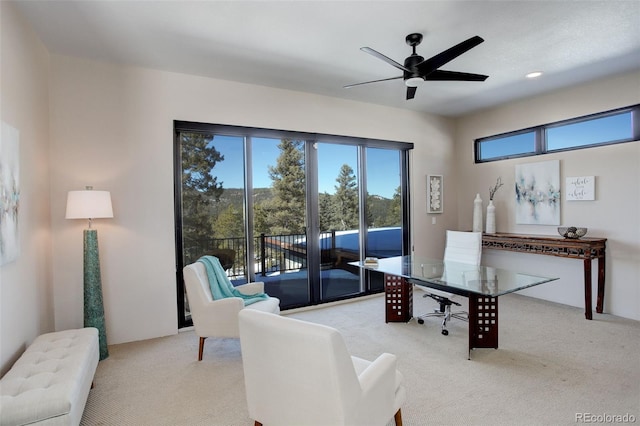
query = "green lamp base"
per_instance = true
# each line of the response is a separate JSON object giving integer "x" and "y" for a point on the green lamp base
{"x": 93, "y": 307}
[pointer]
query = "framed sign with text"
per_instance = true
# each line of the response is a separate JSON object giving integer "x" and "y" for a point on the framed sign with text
{"x": 581, "y": 188}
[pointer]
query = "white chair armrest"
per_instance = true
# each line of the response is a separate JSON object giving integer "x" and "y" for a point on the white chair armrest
{"x": 219, "y": 318}
{"x": 231, "y": 303}
{"x": 221, "y": 310}
{"x": 251, "y": 288}
{"x": 378, "y": 382}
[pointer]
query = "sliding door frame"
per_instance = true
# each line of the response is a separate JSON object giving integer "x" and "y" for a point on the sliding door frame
{"x": 311, "y": 180}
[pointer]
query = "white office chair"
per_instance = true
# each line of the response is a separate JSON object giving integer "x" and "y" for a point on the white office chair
{"x": 300, "y": 373}
{"x": 219, "y": 318}
{"x": 462, "y": 248}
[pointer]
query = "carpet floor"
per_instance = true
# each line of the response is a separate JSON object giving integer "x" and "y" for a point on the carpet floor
{"x": 553, "y": 367}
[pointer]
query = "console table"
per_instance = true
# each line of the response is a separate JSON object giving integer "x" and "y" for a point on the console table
{"x": 583, "y": 248}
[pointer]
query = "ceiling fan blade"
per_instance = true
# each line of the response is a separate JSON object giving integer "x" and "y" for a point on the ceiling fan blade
{"x": 442, "y": 75}
{"x": 373, "y": 81}
{"x": 411, "y": 92}
{"x": 384, "y": 58}
{"x": 435, "y": 62}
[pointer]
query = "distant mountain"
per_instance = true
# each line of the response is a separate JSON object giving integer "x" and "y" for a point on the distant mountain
{"x": 379, "y": 206}
{"x": 235, "y": 197}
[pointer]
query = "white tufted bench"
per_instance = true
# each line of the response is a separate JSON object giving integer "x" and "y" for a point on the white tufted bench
{"x": 49, "y": 384}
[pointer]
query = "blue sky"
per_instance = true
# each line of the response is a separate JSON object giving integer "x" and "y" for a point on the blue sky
{"x": 383, "y": 165}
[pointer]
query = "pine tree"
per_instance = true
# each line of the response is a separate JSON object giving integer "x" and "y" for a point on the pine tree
{"x": 346, "y": 200}
{"x": 229, "y": 223}
{"x": 326, "y": 212}
{"x": 200, "y": 187}
{"x": 286, "y": 211}
{"x": 394, "y": 217}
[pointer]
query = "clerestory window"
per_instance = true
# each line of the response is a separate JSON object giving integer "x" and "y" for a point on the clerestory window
{"x": 610, "y": 127}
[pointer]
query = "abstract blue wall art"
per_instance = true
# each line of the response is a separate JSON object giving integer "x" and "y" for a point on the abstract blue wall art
{"x": 9, "y": 194}
{"x": 538, "y": 193}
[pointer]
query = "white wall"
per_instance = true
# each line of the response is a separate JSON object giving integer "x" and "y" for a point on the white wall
{"x": 615, "y": 214}
{"x": 26, "y": 307}
{"x": 112, "y": 127}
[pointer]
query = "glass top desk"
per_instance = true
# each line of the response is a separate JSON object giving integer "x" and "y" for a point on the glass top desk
{"x": 481, "y": 284}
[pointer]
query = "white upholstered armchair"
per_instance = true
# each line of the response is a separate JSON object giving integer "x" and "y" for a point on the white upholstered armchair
{"x": 300, "y": 373}
{"x": 219, "y": 318}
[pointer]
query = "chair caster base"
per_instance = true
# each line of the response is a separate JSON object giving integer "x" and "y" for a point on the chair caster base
{"x": 420, "y": 321}
{"x": 445, "y": 332}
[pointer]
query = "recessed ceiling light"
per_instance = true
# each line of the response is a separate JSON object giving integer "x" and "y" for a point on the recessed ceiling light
{"x": 534, "y": 74}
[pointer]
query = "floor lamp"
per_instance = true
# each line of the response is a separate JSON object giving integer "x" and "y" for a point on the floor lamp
{"x": 90, "y": 204}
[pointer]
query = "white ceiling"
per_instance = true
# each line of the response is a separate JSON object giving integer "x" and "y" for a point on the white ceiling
{"x": 313, "y": 46}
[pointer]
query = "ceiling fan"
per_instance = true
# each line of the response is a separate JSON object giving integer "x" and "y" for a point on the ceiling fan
{"x": 416, "y": 69}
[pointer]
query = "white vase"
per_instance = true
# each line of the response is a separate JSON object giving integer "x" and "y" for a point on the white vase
{"x": 477, "y": 214}
{"x": 491, "y": 218}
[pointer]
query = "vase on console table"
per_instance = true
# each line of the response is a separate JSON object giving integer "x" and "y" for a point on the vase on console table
{"x": 491, "y": 218}
{"x": 477, "y": 214}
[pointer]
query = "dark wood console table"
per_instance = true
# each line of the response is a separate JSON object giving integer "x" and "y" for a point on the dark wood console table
{"x": 583, "y": 248}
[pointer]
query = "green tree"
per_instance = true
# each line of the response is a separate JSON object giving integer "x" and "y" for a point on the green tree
{"x": 394, "y": 217}
{"x": 382, "y": 212}
{"x": 200, "y": 187}
{"x": 229, "y": 223}
{"x": 261, "y": 223}
{"x": 326, "y": 212}
{"x": 286, "y": 210}
{"x": 346, "y": 199}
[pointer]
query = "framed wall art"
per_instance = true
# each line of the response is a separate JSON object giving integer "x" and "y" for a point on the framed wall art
{"x": 9, "y": 193}
{"x": 580, "y": 188}
{"x": 434, "y": 194}
{"x": 537, "y": 189}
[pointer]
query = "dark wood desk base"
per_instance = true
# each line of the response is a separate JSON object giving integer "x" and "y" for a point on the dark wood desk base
{"x": 483, "y": 322}
{"x": 398, "y": 299}
{"x": 583, "y": 248}
{"x": 483, "y": 311}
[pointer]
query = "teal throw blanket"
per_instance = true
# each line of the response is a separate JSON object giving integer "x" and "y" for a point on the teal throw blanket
{"x": 220, "y": 285}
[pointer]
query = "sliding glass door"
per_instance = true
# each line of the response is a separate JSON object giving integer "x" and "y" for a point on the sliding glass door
{"x": 338, "y": 209}
{"x": 210, "y": 195}
{"x": 279, "y": 205}
{"x": 385, "y": 207}
{"x": 289, "y": 209}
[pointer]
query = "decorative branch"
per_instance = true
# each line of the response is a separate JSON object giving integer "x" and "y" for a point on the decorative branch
{"x": 493, "y": 189}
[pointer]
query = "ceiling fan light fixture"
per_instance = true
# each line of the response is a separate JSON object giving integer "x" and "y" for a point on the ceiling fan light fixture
{"x": 413, "y": 81}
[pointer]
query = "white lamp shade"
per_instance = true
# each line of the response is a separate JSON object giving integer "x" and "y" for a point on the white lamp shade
{"x": 89, "y": 204}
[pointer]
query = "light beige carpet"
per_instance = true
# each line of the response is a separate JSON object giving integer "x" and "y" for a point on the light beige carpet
{"x": 552, "y": 366}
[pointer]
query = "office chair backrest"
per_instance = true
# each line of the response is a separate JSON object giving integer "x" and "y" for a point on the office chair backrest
{"x": 463, "y": 247}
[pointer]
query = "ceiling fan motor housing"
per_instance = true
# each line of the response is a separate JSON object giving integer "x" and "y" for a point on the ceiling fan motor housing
{"x": 411, "y": 63}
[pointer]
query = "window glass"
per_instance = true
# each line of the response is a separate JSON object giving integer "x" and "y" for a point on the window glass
{"x": 211, "y": 188}
{"x": 339, "y": 219}
{"x": 384, "y": 207}
{"x": 589, "y": 132}
{"x": 279, "y": 219}
{"x": 608, "y": 127}
{"x": 506, "y": 146}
